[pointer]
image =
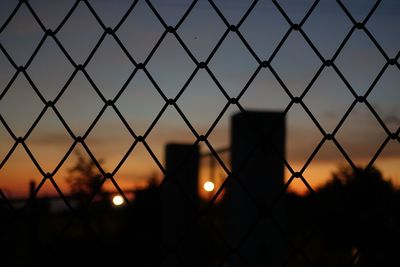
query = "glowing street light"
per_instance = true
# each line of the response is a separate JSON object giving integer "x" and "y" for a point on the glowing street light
{"x": 118, "y": 200}
{"x": 208, "y": 186}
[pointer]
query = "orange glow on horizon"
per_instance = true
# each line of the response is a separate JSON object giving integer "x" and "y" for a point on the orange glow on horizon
{"x": 14, "y": 179}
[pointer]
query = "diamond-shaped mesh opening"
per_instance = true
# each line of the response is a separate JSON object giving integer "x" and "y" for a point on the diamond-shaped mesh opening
{"x": 109, "y": 56}
{"x": 85, "y": 110}
{"x": 296, "y": 66}
{"x": 320, "y": 166}
{"x": 49, "y": 147}
{"x": 334, "y": 21}
{"x": 210, "y": 133}
{"x": 40, "y": 70}
{"x": 21, "y": 36}
{"x": 265, "y": 23}
{"x": 328, "y": 85}
{"x": 199, "y": 35}
{"x": 101, "y": 132}
{"x": 85, "y": 28}
{"x": 17, "y": 118}
{"x": 67, "y": 169}
{"x": 140, "y": 103}
{"x": 169, "y": 128}
{"x": 140, "y": 21}
{"x": 178, "y": 60}
{"x": 138, "y": 170}
{"x": 361, "y": 70}
{"x": 233, "y": 75}
{"x": 361, "y": 121}
{"x": 191, "y": 102}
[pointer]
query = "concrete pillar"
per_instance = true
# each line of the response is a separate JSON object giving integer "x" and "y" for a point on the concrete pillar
{"x": 257, "y": 140}
{"x": 179, "y": 195}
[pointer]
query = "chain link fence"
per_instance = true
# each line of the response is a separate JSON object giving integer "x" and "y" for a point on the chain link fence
{"x": 93, "y": 233}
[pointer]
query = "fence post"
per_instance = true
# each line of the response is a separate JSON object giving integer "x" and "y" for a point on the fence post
{"x": 179, "y": 196}
{"x": 258, "y": 138}
{"x": 32, "y": 221}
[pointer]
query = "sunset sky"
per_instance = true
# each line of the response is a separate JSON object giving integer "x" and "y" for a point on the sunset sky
{"x": 360, "y": 62}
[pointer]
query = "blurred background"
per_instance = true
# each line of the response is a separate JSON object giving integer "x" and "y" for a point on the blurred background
{"x": 92, "y": 92}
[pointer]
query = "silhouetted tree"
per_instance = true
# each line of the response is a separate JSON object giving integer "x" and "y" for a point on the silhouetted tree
{"x": 361, "y": 212}
{"x": 84, "y": 178}
{"x": 352, "y": 220}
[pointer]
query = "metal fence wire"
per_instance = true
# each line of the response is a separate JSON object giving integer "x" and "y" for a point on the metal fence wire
{"x": 31, "y": 237}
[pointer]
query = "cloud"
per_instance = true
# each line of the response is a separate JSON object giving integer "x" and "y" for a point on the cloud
{"x": 391, "y": 119}
{"x": 53, "y": 138}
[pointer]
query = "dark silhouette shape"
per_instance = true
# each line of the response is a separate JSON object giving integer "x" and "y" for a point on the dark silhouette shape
{"x": 83, "y": 178}
{"x": 365, "y": 207}
{"x": 258, "y": 143}
{"x": 180, "y": 200}
{"x": 142, "y": 235}
{"x": 353, "y": 217}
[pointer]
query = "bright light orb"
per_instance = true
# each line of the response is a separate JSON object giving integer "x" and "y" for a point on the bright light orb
{"x": 208, "y": 186}
{"x": 118, "y": 200}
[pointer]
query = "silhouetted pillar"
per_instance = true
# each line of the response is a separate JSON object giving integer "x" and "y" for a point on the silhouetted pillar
{"x": 32, "y": 221}
{"x": 258, "y": 145}
{"x": 179, "y": 195}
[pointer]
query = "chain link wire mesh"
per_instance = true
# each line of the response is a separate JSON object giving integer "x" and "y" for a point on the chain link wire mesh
{"x": 222, "y": 252}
